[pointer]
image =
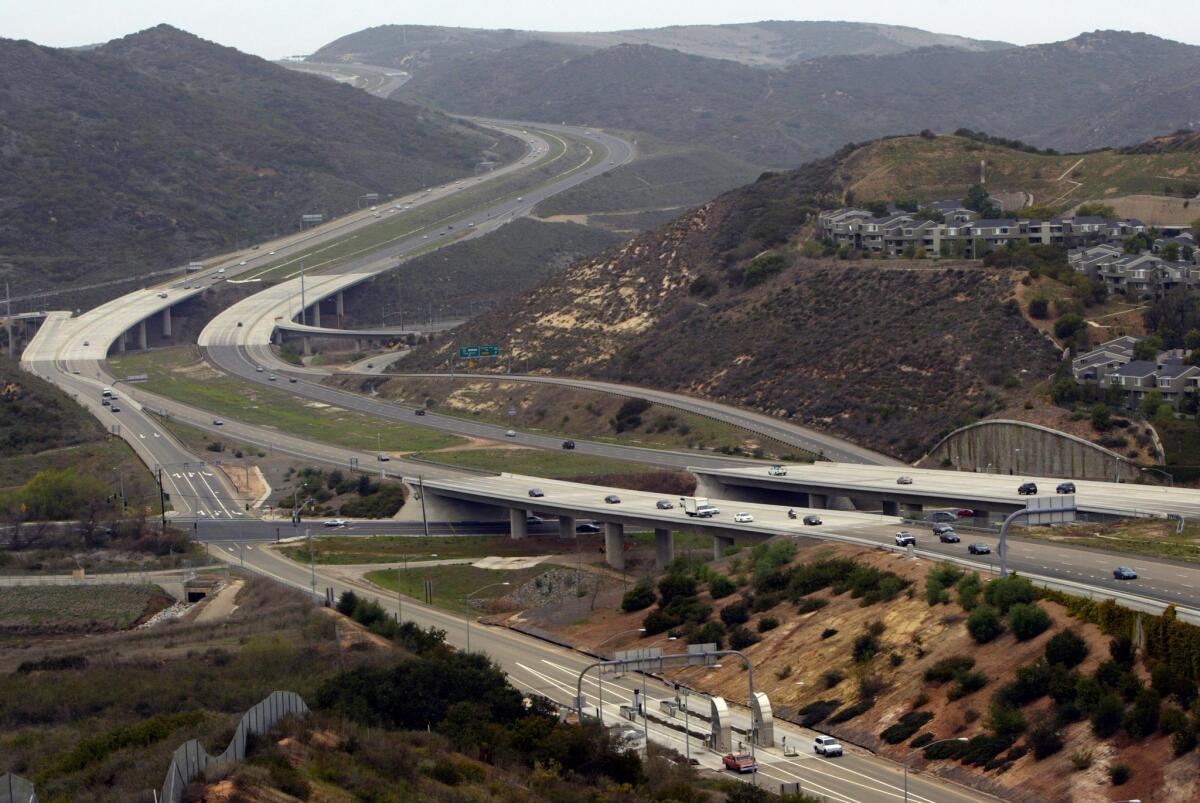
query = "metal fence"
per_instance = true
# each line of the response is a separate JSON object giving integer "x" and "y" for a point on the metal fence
{"x": 190, "y": 759}
{"x": 15, "y": 789}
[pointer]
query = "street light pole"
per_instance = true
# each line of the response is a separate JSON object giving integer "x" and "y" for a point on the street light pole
{"x": 600, "y": 676}
{"x": 1170, "y": 478}
{"x": 926, "y": 747}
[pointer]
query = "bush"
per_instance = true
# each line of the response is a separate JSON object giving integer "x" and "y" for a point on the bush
{"x": 1005, "y": 720}
{"x": 922, "y": 740}
{"x": 969, "y": 589}
{"x": 639, "y": 597}
{"x": 832, "y": 677}
{"x": 810, "y": 604}
{"x": 1183, "y": 741}
{"x": 1066, "y": 326}
{"x": 767, "y": 623}
{"x": 1172, "y": 719}
{"x": 1005, "y": 592}
{"x": 1106, "y": 715}
{"x": 1045, "y": 741}
{"x": 817, "y": 712}
{"x": 721, "y": 586}
{"x": 1119, "y": 774}
{"x": 1027, "y": 621}
{"x": 865, "y": 647}
{"x": 966, "y": 683}
{"x": 735, "y": 613}
{"x": 908, "y": 724}
{"x": 1066, "y": 648}
{"x": 659, "y": 621}
{"x": 948, "y": 668}
{"x": 710, "y": 633}
{"x": 676, "y": 585}
{"x": 852, "y": 711}
{"x": 742, "y": 637}
{"x": 1142, "y": 719}
{"x": 1039, "y": 308}
{"x": 984, "y": 624}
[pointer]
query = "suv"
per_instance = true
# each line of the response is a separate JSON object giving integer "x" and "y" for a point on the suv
{"x": 944, "y": 515}
{"x": 536, "y": 493}
{"x": 777, "y": 471}
{"x": 1065, "y": 488}
{"x": 826, "y": 746}
{"x": 1027, "y": 489}
{"x": 568, "y": 444}
{"x": 740, "y": 762}
{"x": 905, "y": 538}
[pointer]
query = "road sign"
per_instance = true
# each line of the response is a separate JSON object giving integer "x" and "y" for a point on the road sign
{"x": 1050, "y": 509}
{"x": 647, "y": 659}
{"x": 471, "y": 352}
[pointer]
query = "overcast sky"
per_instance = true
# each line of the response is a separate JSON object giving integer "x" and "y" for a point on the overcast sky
{"x": 274, "y": 28}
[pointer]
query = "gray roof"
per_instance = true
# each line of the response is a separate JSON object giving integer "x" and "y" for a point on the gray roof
{"x": 1137, "y": 368}
{"x": 1174, "y": 371}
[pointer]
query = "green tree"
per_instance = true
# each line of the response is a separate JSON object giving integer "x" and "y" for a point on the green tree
{"x": 639, "y": 597}
{"x": 1151, "y": 402}
{"x": 1170, "y": 252}
{"x": 1101, "y": 417}
{"x": 1187, "y": 253}
{"x": 1066, "y": 326}
{"x": 1107, "y": 714}
{"x": 1095, "y": 210}
{"x": 984, "y": 624}
{"x": 1148, "y": 348}
{"x": 1066, "y": 648}
{"x": 1027, "y": 621}
{"x": 1039, "y": 308}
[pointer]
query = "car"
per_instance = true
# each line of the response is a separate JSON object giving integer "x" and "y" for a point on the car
{"x": 239, "y": 324}
{"x": 292, "y": 379}
{"x": 1065, "y": 488}
{"x": 162, "y": 295}
{"x": 532, "y": 519}
{"x": 512, "y": 433}
{"x": 979, "y": 549}
{"x": 115, "y": 409}
{"x": 271, "y": 377}
{"x": 826, "y": 746}
{"x": 75, "y": 371}
{"x": 587, "y": 528}
{"x": 1124, "y": 573}
{"x": 742, "y": 517}
{"x": 777, "y": 471}
{"x": 664, "y": 504}
{"x": 905, "y": 538}
{"x": 568, "y": 444}
{"x": 259, "y": 368}
{"x": 336, "y": 523}
{"x": 740, "y": 762}
{"x": 904, "y": 480}
{"x": 86, "y": 343}
{"x": 519, "y": 198}
{"x": 271, "y": 253}
{"x": 370, "y": 365}
{"x": 812, "y": 519}
{"x": 1027, "y": 489}
{"x": 948, "y": 537}
{"x": 612, "y": 499}
{"x": 424, "y": 236}
{"x": 104, "y": 402}
{"x": 938, "y": 529}
{"x": 241, "y": 264}
{"x": 965, "y": 513}
{"x": 218, "y": 422}
{"x": 944, "y": 515}
{"x": 419, "y": 411}
{"x": 382, "y": 458}
{"x": 536, "y": 493}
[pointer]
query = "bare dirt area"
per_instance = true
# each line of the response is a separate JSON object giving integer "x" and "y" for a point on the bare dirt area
{"x": 1154, "y": 210}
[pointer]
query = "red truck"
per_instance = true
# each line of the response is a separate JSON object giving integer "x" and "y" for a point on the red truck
{"x": 740, "y": 762}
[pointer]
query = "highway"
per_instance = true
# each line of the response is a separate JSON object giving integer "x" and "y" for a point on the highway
{"x": 537, "y": 666}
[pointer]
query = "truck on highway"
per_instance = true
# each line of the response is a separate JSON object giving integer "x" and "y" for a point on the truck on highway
{"x": 698, "y": 506}
{"x": 740, "y": 762}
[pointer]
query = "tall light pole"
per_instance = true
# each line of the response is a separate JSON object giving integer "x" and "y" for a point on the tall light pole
{"x": 1170, "y": 478}
{"x": 399, "y": 595}
{"x": 468, "y": 597}
{"x": 600, "y": 676}
{"x": 926, "y": 747}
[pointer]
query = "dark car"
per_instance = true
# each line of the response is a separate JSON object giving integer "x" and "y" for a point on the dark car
{"x": 664, "y": 504}
{"x": 568, "y": 444}
{"x": 948, "y": 537}
{"x": 115, "y": 409}
{"x": 812, "y": 519}
{"x": 419, "y": 411}
{"x": 938, "y": 529}
{"x": 536, "y": 493}
{"x": 612, "y": 499}
{"x": 587, "y": 527}
{"x": 944, "y": 515}
{"x": 292, "y": 379}
{"x": 979, "y": 549}
{"x": 1027, "y": 489}
{"x": 1124, "y": 573}
{"x": 1065, "y": 488}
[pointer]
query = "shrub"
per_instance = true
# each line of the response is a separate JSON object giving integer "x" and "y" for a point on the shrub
{"x": 948, "y": 668}
{"x": 659, "y": 621}
{"x": 721, "y": 586}
{"x": 1045, "y": 741}
{"x": 1039, "y": 308}
{"x": 735, "y": 613}
{"x": 870, "y": 685}
{"x": 1119, "y": 774}
{"x": 710, "y": 633}
{"x": 639, "y": 597}
{"x": 1005, "y": 720}
{"x": 1172, "y": 719}
{"x": 969, "y": 589}
{"x": 832, "y": 677}
{"x": 817, "y": 712}
{"x": 851, "y": 711}
{"x": 908, "y": 724}
{"x": 865, "y": 647}
{"x": 1122, "y": 651}
{"x": 966, "y": 683}
{"x": 783, "y": 674}
{"x": 810, "y": 604}
{"x": 984, "y": 624}
{"x": 1183, "y": 741}
{"x": 1142, "y": 719}
{"x": 767, "y": 623}
{"x": 1027, "y": 621}
{"x": 1031, "y": 683}
{"x": 1005, "y": 592}
{"x": 1080, "y": 760}
{"x": 676, "y": 585}
{"x": 742, "y": 637}
{"x": 922, "y": 740}
{"x": 1107, "y": 714}
{"x": 1066, "y": 648}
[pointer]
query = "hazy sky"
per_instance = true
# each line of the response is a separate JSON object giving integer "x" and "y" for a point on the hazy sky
{"x": 275, "y": 28}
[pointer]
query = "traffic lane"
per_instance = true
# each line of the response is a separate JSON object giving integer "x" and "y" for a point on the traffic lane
{"x": 512, "y": 650}
{"x": 279, "y": 529}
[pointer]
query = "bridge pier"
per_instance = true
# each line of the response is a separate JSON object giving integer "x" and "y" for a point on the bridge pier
{"x": 341, "y": 306}
{"x": 913, "y": 510}
{"x": 566, "y": 526}
{"x": 818, "y": 501}
{"x": 307, "y": 347}
{"x": 358, "y": 344}
{"x": 891, "y": 508}
{"x": 720, "y": 544}
{"x": 316, "y": 314}
{"x": 664, "y": 548}
{"x": 121, "y": 343}
{"x": 614, "y": 544}
{"x": 142, "y": 335}
{"x": 166, "y": 322}
{"x": 278, "y": 335}
{"x": 518, "y": 524}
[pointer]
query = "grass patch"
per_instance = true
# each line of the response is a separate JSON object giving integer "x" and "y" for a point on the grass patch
{"x": 75, "y": 608}
{"x": 179, "y": 373}
{"x": 347, "y": 550}
{"x": 536, "y": 462}
{"x": 451, "y": 584}
{"x": 1146, "y": 537}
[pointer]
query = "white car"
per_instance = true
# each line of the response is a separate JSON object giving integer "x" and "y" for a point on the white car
{"x": 162, "y": 295}
{"x": 218, "y": 422}
{"x": 222, "y": 270}
{"x": 743, "y": 517}
{"x": 258, "y": 368}
{"x": 826, "y": 746}
{"x": 384, "y": 458}
{"x": 336, "y": 523}
{"x": 242, "y": 263}
{"x": 512, "y": 433}
{"x": 271, "y": 253}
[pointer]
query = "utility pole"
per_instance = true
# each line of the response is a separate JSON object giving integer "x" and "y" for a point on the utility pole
{"x": 312, "y": 566}
{"x": 162, "y": 501}
{"x": 8, "y": 320}
{"x": 303, "y": 317}
{"x": 421, "y": 490}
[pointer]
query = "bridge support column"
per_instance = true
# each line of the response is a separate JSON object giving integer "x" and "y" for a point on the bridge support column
{"x": 518, "y": 524}
{"x": 307, "y": 347}
{"x": 818, "y": 501}
{"x": 316, "y": 315}
{"x": 664, "y": 548}
{"x": 914, "y": 510}
{"x": 566, "y": 526}
{"x": 720, "y": 544}
{"x": 278, "y": 335}
{"x": 341, "y": 306}
{"x": 614, "y": 544}
{"x": 981, "y": 517}
{"x": 121, "y": 343}
{"x": 142, "y": 335}
{"x": 891, "y": 508}
{"x": 357, "y": 344}
{"x": 166, "y": 313}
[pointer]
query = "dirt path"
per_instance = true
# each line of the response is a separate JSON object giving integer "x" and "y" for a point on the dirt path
{"x": 222, "y": 605}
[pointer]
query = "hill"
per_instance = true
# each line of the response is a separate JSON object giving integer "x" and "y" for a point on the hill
{"x": 721, "y": 304}
{"x": 1096, "y": 90}
{"x": 767, "y": 43}
{"x": 35, "y": 416}
{"x": 160, "y": 147}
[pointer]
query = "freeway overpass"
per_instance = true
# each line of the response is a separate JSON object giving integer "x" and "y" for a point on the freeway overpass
{"x": 876, "y": 487}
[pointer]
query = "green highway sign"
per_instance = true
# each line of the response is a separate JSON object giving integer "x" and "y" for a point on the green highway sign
{"x": 471, "y": 352}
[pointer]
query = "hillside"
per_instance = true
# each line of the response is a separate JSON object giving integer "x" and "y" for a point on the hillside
{"x": 161, "y": 147}
{"x": 767, "y": 43}
{"x": 718, "y": 304}
{"x": 1096, "y": 90}
{"x": 35, "y": 416}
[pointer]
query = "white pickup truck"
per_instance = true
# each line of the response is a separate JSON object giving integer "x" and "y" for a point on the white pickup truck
{"x": 777, "y": 471}
{"x": 826, "y": 746}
